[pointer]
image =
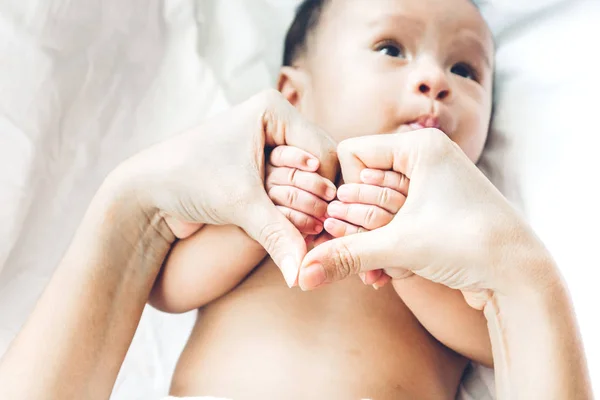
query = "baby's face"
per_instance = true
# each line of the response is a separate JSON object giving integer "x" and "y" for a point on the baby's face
{"x": 382, "y": 66}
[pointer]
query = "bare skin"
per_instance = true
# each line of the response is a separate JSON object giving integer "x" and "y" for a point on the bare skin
{"x": 102, "y": 283}
{"x": 346, "y": 346}
{"x": 371, "y": 67}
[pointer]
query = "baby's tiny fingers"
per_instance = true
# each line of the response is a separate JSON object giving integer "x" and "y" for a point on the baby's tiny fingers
{"x": 390, "y": 179}
{"x": 308, "y": 181}
{"x": 290, "y": 156}
{"x": 337, "y": 228}
{"x": 299, "y": 200}
{"x": 386, "y": 198}
{"x": 369, "y": 217}
{"x": 304, "y": 223}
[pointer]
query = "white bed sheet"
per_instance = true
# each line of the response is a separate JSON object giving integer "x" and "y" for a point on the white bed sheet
{"x": 83, "y": 84}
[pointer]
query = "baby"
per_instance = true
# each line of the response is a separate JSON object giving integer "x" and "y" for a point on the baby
{"x": 354, "y": 67}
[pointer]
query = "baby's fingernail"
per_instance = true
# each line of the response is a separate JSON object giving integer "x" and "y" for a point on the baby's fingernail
{"x": 312, "y": 277}
{"x": 330, "y": 193}
{"x": 312, "y": 163}
{"x": 376, "y": 286}
{"x": 318, "y": 228}
{"x": 289, "y": 268}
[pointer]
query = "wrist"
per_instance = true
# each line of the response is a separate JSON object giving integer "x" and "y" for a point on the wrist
{"x": 536, "y": 344}
{"x": 521, "y": 263}
{"x": 123, "y": 227}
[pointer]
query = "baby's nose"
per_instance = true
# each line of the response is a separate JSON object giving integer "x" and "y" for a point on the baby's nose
{"x": 431, "y": 81}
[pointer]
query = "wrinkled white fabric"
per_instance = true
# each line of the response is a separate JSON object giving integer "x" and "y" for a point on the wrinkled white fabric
{"x": 84, "y": 84}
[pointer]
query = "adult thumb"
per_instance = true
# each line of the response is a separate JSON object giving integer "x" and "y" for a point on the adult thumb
{"x": 340, "y": 258}
{"x": 284, "y": 243}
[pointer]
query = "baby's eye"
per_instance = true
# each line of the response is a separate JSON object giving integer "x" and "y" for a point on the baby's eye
{"x": 464, "y": 70}
{"x": 390, "y": 49}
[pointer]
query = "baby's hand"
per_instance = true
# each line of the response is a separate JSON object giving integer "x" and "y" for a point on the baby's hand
{"x": 297, "y": 189}
{"x": 366, "y": 206}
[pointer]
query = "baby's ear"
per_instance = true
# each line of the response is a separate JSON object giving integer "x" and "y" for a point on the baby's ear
{"x": 292, "y": 83}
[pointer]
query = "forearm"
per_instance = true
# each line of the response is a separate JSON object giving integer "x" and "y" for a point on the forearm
{"x": 75, "y": 340}
{"x": 447, "y": 317}
{"x": 536, "y": 345}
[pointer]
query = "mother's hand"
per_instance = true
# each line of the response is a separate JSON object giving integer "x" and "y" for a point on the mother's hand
{"x": 455, "y": 227}
{"x": 214, "y": 174}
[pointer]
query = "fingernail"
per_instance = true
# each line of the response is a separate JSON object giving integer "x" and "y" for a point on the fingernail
{"x": 334, "y": 208}
{"x": 312, "y": 277}
{"x": 342, "y": 191}
{"x": 312, "y": 163}
{"x": 376, "y": 286}
{"x": 330, "y": 193}
{"x": 329, "y": 225}
{"x": 318, "y": 228}
{"x": 289, "y": 268}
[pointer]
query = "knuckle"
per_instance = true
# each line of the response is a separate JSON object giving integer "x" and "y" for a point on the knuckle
{"x": 346, "y": 263}
{"x": 438, "y": 143}
{"x": 293, "y": 176}
{"x": 305, "y": 223}
{"x": 271, "y": 236}
{"x": 292, "y": 197}
{"x": 402, "y": 182}
{"x": 370, "y": 216}
{"x": 358, "y": 192}
{"x": 384, "y": 197}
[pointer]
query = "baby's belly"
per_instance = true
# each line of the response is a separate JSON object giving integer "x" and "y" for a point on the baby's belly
{"x": 344, "y": 341}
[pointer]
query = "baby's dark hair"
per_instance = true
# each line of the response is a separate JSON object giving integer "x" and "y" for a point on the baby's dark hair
{"x": 306, "y": 20}
{"x": 308, "y": 15}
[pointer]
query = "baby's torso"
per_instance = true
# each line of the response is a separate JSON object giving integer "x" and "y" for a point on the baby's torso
{"x": 344, "y": 341}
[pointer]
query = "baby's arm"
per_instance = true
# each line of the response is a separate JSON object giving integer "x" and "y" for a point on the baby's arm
{"x": 215, "y": 259}
{"x": 446, "y": 315}
{"x": 203, "y": 267}
{"x": 441, "y": 310}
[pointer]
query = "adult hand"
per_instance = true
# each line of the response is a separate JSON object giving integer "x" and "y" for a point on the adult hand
{"x": 455, "y": 228}
{"x": 215, "y": 174}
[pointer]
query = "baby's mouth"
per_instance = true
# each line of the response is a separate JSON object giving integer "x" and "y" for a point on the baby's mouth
{"x": 426, "y": 121}
{"x": 423, "y": 122}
